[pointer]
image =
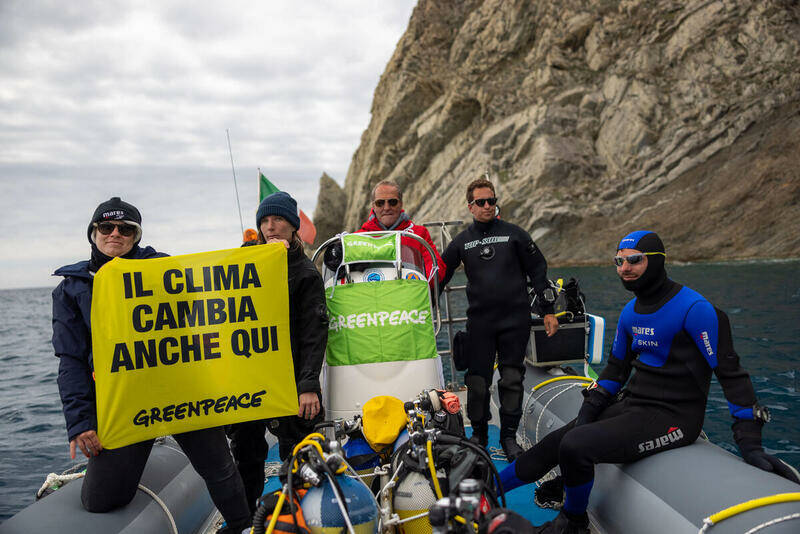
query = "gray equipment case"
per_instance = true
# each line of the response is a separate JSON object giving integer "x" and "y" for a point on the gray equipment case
{"x": 568, "y": 345}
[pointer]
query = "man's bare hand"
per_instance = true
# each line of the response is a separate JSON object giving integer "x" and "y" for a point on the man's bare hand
{"x": 550, "y": 324}
{"x": 88, "y": 442}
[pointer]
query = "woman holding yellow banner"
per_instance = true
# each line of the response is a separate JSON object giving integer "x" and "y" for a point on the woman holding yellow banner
{"x": 277, "y": 221}
{"x": 112, "y": 475}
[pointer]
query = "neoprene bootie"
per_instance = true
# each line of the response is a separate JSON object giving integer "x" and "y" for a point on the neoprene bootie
{"x": 550, "y": 494}
{"x": 235, "y": 529}
{"x": 480, "y": 435}
{"x": 565, "y": 523}
{"x": 511, "y": 448}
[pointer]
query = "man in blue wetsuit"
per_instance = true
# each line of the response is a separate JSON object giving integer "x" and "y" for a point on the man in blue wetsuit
{"x": 674, "y": 338}
{"x": 498, "y": 259}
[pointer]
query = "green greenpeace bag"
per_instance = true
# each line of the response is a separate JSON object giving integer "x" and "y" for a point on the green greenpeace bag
{"x": 365, "y": 247}
{"x": 379, "y": 322}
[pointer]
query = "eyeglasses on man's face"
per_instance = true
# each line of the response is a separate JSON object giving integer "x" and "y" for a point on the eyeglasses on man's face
{"x": 107, "y": 228}
{"x": 633, "y": 259}
{"x": 481, "y": 202}
{"x": 391, "y": 201}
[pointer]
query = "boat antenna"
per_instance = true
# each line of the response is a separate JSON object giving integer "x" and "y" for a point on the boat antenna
{"x": 235, "y": 187}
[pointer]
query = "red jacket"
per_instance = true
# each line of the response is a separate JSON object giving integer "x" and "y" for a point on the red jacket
{"x": 372, "y": 225}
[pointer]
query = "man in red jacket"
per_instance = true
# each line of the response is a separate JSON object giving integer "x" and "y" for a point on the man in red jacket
{"x": 387, "y": 214}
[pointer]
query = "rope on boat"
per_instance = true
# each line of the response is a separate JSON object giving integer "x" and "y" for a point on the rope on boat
{"x": 162, "y": 441}
{"x": 560, "y": 390}
{"x": 497, "y": 453}
{"x": 528, "y": 408}
{"x": 773, "y": 522}
{"x": 272, "y": 469}
{"x": 162, "y": 504}
{"x": 55, "y": 481}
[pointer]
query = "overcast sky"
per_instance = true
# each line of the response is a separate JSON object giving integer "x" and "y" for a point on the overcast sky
{"x": 132, "y": 99}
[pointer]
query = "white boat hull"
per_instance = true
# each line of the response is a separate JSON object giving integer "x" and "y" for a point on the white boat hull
{"x": 347, "y": 387}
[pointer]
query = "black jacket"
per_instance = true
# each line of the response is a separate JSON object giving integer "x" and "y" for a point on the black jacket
{"x": 498, "y": 258}
{"x": 308, "y": 320}
{"x": 72, "y": 342}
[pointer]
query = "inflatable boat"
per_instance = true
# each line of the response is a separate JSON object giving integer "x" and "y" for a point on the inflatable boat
{"x": 671, "y": 492}
{"x": 678, "y": 491}
{"x": 172, "y": 498}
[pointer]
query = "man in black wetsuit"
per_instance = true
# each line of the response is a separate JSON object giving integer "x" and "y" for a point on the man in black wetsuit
{"x": 498, "y": 258}
{"x": 674, "y": 338}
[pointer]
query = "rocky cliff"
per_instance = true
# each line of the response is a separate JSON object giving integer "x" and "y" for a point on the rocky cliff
{"x": 331, "y": 204}
{"x": 595, "y": 118}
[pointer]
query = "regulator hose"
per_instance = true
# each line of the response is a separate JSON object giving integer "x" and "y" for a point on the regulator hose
{"x": 559, "y": 378}
{"x": 737, "y": 509}
{"x": 432, "y": 469}
{"x": 275, "y": 514}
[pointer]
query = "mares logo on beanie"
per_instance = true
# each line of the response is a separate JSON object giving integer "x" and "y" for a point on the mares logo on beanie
{"x": 115, "y": 209}
{"x": 643, "y": 241}
{"x": 655, "y": 274}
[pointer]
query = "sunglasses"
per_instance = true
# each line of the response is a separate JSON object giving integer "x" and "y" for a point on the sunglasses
{"x": 107, "y": 228}
{"x": 391, "y": 201}
{"x": 633, "y": 259}
{"x": 481, "y": 202}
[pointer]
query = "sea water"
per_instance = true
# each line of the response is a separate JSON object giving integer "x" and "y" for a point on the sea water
{"x": 761, "y": 298}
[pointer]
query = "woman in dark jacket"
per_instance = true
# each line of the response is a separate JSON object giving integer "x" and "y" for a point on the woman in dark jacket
{"x": 277, "y": 221}
{"x": 112, "y": 475}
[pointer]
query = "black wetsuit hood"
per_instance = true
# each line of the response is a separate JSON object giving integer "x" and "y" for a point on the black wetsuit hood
{"x": 653, "y": 284}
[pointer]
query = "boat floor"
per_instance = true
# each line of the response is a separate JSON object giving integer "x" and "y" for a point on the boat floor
{"x": 519, "y": 500}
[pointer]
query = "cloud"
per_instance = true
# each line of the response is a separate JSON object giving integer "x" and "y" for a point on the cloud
{"x": 134, "y": 98}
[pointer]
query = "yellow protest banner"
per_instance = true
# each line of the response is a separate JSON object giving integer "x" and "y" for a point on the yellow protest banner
{"x": 188, "y": 342}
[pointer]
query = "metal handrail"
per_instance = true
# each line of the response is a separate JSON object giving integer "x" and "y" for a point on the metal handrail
{"x": 449, "y": 320}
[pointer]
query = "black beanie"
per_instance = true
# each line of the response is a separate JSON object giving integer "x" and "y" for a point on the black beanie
{"x": 116, "y": 209}
{"x": 655, "y": 274}
{"x": 279, "y": 203}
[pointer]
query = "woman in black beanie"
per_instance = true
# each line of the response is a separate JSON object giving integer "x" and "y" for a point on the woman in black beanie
{"x": 277, "y": 221}
{"x": 112, "y": 475}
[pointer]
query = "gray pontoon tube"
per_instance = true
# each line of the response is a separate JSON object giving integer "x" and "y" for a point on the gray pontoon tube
{"x": 667, "y": 493}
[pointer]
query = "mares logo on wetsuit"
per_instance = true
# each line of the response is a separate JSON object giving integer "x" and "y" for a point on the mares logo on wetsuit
{"x": 644, "y": 331}
{"x": 673, "y": 434}
{"x": 707, "y": 343}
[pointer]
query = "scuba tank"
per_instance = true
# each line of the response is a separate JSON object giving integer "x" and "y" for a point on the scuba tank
{"x": 322, "y": 508}
{"x": 434, "y": 459}
{"x": 319, "y": 494}
{"x": 363, "y": 459}
{"x": 413, "y": 496}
